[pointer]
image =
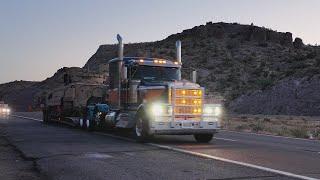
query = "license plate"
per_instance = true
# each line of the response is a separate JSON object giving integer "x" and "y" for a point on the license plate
{"x": 187, "y": 125}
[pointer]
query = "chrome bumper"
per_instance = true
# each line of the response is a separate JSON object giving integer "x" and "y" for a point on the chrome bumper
{"x": 184, "y": 128}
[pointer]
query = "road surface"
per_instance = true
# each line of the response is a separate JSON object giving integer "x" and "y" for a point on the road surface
{"x": 60, "y": 152}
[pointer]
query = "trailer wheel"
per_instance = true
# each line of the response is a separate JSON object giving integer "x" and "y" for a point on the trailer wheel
{"x": 203, "y": 138}
{"x": 140, "y": 129}
{"x": 82, "y": 123}
{"x": 44, "y": 116}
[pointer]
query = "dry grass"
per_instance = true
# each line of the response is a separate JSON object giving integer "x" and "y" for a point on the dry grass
{"x": 291, "y": 126}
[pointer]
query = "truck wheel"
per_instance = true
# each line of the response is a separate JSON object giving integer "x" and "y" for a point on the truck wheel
{"x": 82, "y": 123}
{"x": 44, "y": 116}
{"x": 203, "y": 138}
{"x": 140, "y": 129}
{"x": 89, "y": 125}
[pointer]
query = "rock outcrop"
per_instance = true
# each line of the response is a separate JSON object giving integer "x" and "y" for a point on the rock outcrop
{"x": 241, "y": 63}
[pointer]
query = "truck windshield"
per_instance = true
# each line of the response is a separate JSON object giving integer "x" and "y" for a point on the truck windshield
{"x": 155, "y": 73}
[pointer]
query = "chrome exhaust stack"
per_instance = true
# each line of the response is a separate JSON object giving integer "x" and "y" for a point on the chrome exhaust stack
{"x": 120, "y": 46}
{"x": 178, "y": 58}
{"x": 119, "y": 74}
{"x": 194, "y": 76}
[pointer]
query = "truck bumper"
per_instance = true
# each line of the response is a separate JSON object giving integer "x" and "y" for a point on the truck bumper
{"x": 184, "y": 128}
{"x": 184, "y": 131}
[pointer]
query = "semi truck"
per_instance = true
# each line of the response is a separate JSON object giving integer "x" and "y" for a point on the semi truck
{"x": 145, "y": 95}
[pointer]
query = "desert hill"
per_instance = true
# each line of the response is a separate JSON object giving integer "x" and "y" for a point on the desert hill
{"x": 255, "y": 69}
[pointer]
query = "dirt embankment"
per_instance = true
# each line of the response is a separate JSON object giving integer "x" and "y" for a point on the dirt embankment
{"x": 281, "y": 125}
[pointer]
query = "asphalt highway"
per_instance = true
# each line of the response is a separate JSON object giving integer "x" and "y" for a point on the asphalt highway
{"x": 61, "y": 152}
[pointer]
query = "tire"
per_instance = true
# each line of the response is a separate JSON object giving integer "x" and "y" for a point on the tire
{"x": 203, "y": 138}
{"x": 82, "y": 123}
{"x": 89, "y": 126}
{"x": 140, "y": 129}
{"x": 44, "y": 116}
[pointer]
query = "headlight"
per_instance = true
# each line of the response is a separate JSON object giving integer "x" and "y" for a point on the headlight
{"x": 208, "y": 110}
{"x": 217, "y": 111}
{"x": 156, "y": 109}
{"x": 212, "y": 110}
{"x": 159, "y": 109}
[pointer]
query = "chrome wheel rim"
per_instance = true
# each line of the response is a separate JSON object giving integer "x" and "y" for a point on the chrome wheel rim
{"x": 139, "y": 127}
{"x": 81, "y": 122}
{"x": 87, "y": 123}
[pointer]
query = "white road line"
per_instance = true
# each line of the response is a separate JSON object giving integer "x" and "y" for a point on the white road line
{"x": 225, "y": 139}
{"x": 288, "y": 174}
{"x": 34, "y": 119}
{"x": 284, "y": 173}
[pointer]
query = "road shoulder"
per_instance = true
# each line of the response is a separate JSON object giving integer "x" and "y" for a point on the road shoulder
{"x": 13, "y": 164}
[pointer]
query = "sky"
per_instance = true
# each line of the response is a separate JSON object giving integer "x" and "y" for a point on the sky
{"x": 37, "y": 37}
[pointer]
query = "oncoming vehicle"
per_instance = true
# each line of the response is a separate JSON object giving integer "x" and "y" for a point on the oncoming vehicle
{"x": 4, "y": 108}
{"x": 148, "y": 96}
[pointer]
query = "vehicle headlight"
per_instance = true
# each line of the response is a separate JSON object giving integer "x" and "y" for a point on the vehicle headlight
{"x": 159, "y": 109}
{"x": 212, "y": 110}
{"x": 217, "y": 111}
{"x": 208, "y": 110}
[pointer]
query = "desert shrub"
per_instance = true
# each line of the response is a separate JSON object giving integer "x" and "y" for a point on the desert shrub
{"x": 299, "y": 133}
{"x": 257, "y": 127}
{"x": 244, "y": 117}
{"x": 316, "y": 133}
{"x": 282, "y": 131}
{"x": 263, "y": 83}
{"x": 240, "y": 127}
{"x": 233, "y": 43}
{"x": 266, "y": 119}
{"x": 263, "y": 44}
{"x": 311, "y": 55}
{"x": 298, "y": 65}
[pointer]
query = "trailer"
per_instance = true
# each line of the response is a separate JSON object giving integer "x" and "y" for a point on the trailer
{"x": 147, "y": 96}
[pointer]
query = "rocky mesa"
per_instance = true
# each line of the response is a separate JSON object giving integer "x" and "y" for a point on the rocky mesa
{"x": 256, "y": 70}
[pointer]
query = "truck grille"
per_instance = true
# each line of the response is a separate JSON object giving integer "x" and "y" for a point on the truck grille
{"x": 187, "y": 104}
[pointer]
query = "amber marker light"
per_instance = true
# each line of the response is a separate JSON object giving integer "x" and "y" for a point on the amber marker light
{"x": 141, "y": 60}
